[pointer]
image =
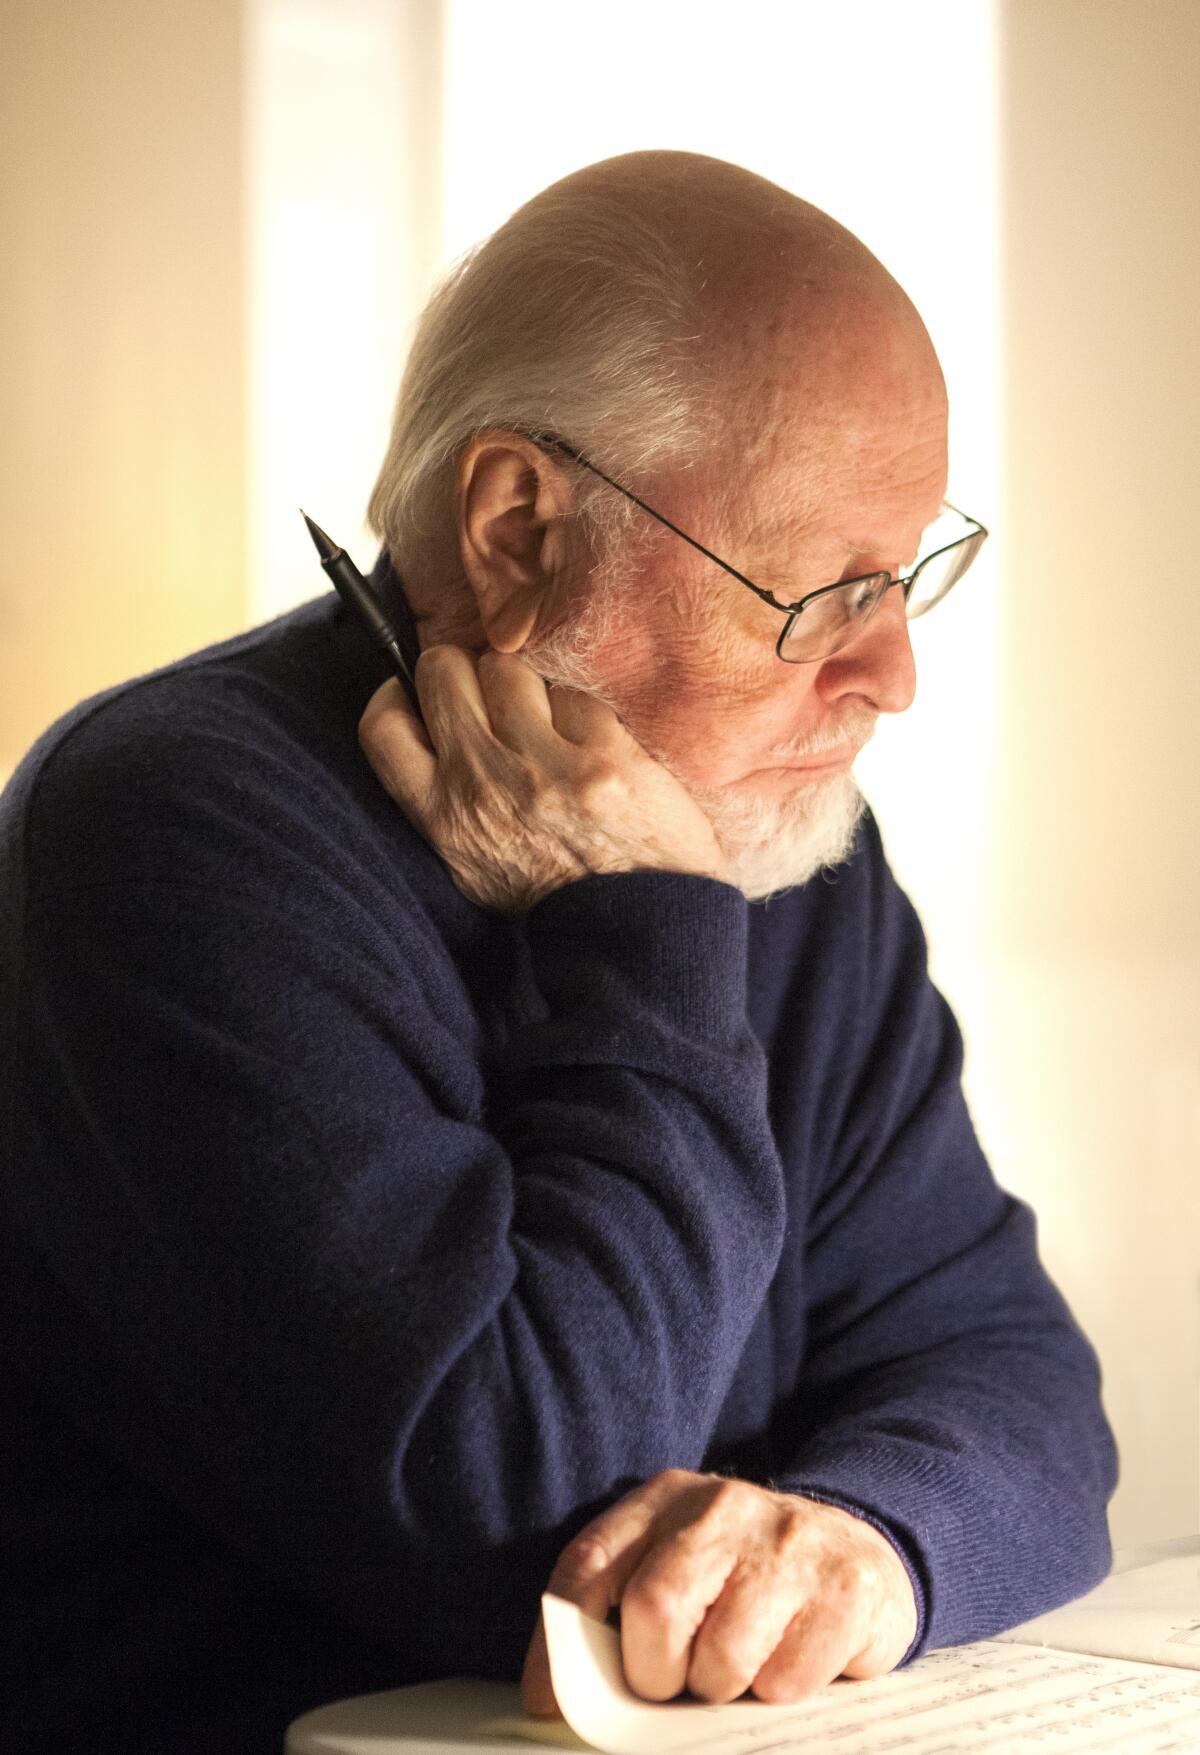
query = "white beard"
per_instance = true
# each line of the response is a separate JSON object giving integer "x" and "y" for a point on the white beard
{"x": 770, "y": 843}
{"x": 773, "y": 844}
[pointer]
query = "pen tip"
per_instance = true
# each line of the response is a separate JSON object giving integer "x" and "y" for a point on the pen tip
{"x": 325, "y": 545}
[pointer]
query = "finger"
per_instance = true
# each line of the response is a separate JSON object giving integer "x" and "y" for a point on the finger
{"x": 590, "y": 1573}
{"x": 683, "y": 1574}
{"x": 741, "y": 1629}
{"x": 815, "y": 1648}
{"x": 581, "y": 718}
{"x": 891, "y": 1619}
{"x": 537, "y": 1688}
{"x": 452, "y": 703}
{"x": 594, "y": 1568}
{"x": 887, "y": 1639}
{"x": 395, "y": 743}
{"x": 517, "y": 704}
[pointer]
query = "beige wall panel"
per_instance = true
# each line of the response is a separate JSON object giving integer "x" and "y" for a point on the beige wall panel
{"x": 1102, "y": 620}
{"x": 1084, "y": 1034}
{"x": 121, "y": 370}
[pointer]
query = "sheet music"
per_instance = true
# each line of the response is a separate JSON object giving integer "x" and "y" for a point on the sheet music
{"x": 1150, "y": 1611}
{"x": 993, "y": 1697}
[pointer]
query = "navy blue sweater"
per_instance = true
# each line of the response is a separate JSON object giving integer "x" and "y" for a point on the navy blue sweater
{"x": 359, "y": 1244}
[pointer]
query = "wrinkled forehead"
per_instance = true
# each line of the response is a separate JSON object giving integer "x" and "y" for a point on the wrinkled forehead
{"x": 856, "y": 461}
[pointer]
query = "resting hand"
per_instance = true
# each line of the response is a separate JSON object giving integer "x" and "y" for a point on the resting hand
{"x": 724, "y": 1586}
{"x": 522, "y": 789}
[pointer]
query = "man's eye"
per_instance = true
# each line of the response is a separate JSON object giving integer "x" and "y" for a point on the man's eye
{"x": 861, "y": 595}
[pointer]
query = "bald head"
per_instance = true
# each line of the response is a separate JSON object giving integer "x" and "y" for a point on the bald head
{"x": 656, "y": 309}
{"x": 799, "y": 331}
{"x": 729, "y": 229}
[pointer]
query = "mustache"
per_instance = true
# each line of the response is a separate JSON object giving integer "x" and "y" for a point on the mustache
{"x": 857, "y": 726}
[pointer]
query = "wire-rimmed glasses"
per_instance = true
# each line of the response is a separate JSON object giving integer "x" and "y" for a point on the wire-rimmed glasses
{"x": 824, "y": 621}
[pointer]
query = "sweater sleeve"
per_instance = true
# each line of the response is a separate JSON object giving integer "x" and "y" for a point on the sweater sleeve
{"x": 389, "y": 1329}
{"x": 947, "y": 1394}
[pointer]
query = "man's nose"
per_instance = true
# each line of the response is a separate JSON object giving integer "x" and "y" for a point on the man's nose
{"x": 878, "y": 665}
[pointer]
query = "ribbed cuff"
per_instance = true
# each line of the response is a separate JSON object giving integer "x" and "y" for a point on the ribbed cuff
{"x": 677, "y": 941}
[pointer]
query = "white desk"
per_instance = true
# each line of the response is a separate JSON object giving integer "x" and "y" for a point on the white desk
{"x": 433, "y": 1718}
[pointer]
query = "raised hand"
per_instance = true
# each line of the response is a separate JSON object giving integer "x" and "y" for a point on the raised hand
{"x": 523, "y": 788}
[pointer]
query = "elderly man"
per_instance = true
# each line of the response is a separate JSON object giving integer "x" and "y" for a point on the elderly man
{"x": 442, "y": 1174}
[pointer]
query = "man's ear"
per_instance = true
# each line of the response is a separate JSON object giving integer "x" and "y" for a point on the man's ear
{"x": 511, "y": 499}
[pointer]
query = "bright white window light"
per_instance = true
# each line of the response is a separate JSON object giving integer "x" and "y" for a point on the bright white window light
{"x": 341, "y": 146}
{"x": 884, "y": 116}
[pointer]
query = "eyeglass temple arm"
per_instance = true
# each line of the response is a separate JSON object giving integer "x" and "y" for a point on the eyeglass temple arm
{"x": 553, "y": 441}
{"x": 548, "y": 439}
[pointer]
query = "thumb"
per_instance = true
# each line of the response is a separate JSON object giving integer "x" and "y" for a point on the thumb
{"x": 537, "y": 1689}
{"x": 394, "y": 740}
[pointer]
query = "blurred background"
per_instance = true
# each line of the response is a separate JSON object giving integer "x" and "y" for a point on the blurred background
{"x": 220, "y": 218}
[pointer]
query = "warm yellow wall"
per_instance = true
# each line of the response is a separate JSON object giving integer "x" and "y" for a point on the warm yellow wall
{"x": 1101, "y": 255}
{"x": 121, "y": 369}
{"x": 1082, "y": 1011}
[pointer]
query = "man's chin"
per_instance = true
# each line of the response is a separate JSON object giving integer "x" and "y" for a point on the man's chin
{"x": 775, "y": 833}
{"x": 774, "y": 843}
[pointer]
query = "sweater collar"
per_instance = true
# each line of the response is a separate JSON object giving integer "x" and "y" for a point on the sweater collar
{"x": 389, "y": 588}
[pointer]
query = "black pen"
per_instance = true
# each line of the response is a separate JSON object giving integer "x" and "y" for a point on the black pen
{"x": 358, "y": 596}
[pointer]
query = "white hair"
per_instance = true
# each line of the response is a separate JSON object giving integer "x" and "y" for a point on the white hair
{"x": 773, "y": 845}
{"x": 574, "y": 319}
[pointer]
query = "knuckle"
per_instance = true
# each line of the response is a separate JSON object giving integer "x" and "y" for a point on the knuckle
{"x": 794, "y": 1528}
{"x": 849, "y": 1582}
{"x": 654, "y": 1598}
{"x": 491, "y": 667}
{"x": 531, "y": 788}
{"x": 581, "y": 1561}
{"x": 599, "y": 784}
{"x": 672, "y": 1478}
{"x": 730, "y": 1499}
{"x": 434, "y": 661}
{"x": 863, "y": 1576}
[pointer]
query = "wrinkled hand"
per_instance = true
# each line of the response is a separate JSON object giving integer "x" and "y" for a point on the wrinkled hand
{"x": 522, "y": 789}
{"x": 724, "y": 1586}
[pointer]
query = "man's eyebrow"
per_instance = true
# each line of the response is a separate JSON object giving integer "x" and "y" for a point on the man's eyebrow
{"x": 798, "y": 525}
{"x": 832, "y": 554}
{"x": 791, "y": 579}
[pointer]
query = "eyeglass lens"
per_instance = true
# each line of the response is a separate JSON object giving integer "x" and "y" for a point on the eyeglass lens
{"x": 832, "y": 620}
